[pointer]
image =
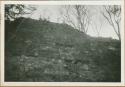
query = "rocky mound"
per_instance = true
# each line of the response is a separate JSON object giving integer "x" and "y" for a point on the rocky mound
{"x": 39, "y": 50}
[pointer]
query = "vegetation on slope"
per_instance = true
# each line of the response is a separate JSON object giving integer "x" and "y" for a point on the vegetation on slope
{"x": 39, "y": 50}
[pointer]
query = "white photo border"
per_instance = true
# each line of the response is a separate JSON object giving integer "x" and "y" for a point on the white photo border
{"x": 115, "y": 2}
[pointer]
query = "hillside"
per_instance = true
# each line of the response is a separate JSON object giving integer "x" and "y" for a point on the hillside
{"x": 39, "y": 50}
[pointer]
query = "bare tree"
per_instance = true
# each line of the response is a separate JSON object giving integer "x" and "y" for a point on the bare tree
{"x": 113, "y": 16}
{"x": 97, "y": 28}
{"x": 77, "y": 16}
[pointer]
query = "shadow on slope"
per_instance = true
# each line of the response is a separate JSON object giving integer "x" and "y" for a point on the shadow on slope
{"x": 42, "y": 51}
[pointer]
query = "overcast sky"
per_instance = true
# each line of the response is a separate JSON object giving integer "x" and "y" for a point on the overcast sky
{"x": 52, "y": 12}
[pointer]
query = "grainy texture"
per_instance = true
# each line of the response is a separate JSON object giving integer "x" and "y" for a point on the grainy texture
{"x": 63, "y": 86}
{"x": 43, "y": 51}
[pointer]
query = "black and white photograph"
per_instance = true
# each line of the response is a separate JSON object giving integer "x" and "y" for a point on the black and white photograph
{"x": 62, "y": 42}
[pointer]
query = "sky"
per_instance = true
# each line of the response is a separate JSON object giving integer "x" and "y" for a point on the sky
{"x": 52, "y": 12}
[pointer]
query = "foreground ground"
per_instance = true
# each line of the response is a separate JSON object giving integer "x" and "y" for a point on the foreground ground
{"x": 50, "y": 52}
